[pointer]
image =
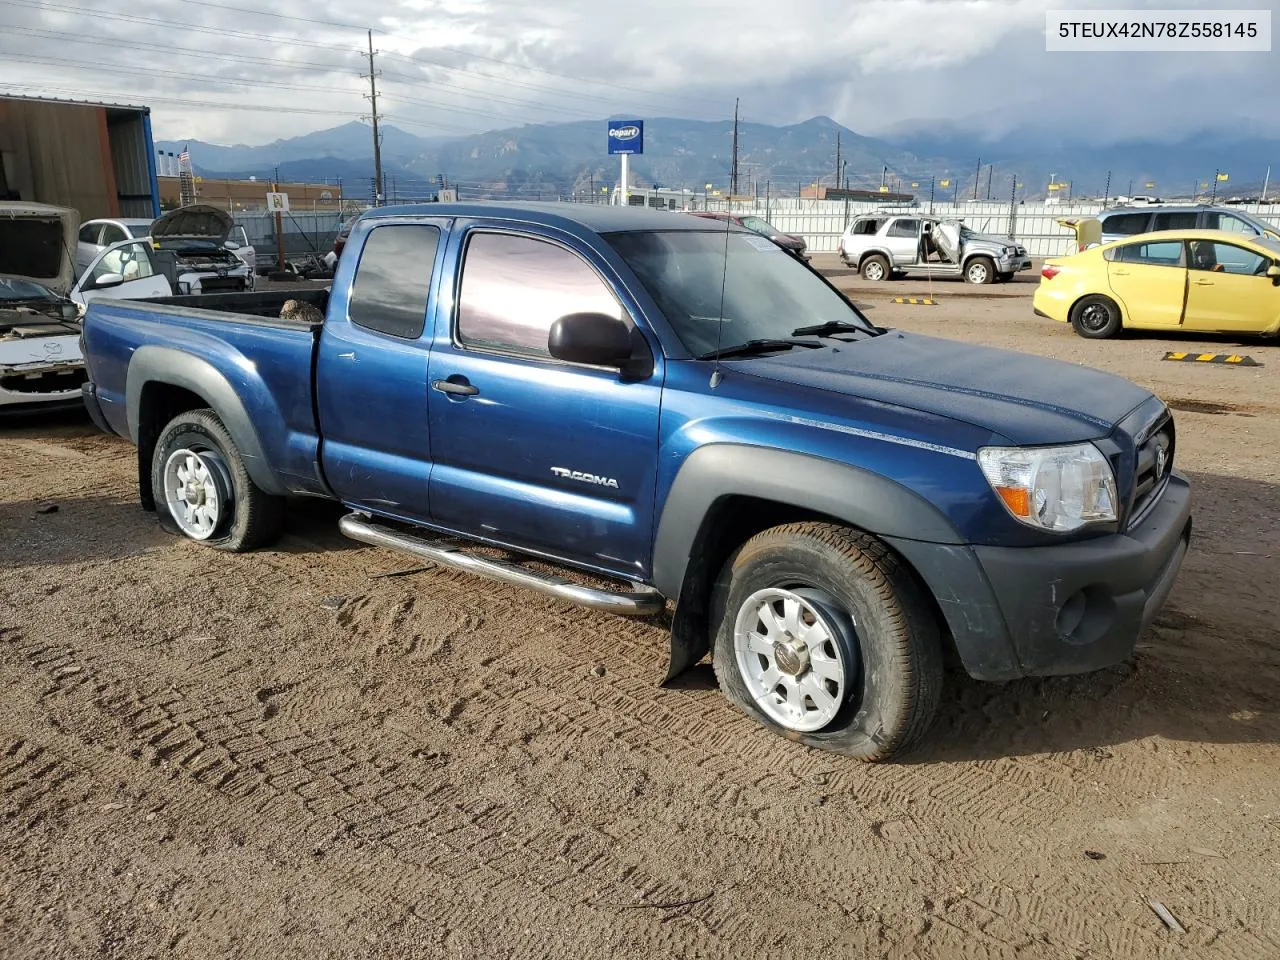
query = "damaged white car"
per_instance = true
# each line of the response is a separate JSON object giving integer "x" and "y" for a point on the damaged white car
{"x": 40, "y": 360}
{"x": 197, "y": 236}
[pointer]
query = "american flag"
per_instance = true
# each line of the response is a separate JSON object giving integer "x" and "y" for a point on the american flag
{"x": 184, "y": 157}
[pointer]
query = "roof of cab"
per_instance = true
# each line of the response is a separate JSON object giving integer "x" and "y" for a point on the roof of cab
{"x": 597, "y": 217}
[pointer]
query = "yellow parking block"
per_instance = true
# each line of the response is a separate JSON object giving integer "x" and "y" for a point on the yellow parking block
{"x": 1230, "y": 358}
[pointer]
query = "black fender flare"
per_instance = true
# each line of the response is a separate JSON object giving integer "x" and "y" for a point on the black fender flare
{"x": 157, "y": 364}
{"x": 858, "y": 497}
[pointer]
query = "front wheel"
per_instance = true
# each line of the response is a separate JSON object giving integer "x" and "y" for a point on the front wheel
{"x": 980, "y": 270}
{"x": 824, "y": 637}
{"x": 201, "y": 484}
{"x": 1004, "y": 276}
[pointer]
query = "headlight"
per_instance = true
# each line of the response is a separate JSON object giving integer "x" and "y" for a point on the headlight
{"x": 1010, "y": 251}
{"x": 1052, "y": 488}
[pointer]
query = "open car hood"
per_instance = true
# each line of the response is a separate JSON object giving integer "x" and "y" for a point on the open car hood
{"x": 200, "y": 221}
{"x": 36, "y": 243}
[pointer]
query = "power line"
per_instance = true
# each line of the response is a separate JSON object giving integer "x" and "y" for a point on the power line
{"x": 82, "y": 93}
{"x": 164, "y": 74}
{"x": 169, "y": 25}
{"x": 302, "y": 65}
{"x": 66, "y": 8}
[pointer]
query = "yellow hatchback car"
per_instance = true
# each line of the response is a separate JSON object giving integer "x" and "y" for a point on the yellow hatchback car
{"x": 1205, "y": 281}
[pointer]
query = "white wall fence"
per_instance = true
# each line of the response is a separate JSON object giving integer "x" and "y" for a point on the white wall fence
{"x": 821, "y": 222}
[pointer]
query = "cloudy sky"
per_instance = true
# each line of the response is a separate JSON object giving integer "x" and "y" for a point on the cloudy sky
{"x": 225, "y": 72}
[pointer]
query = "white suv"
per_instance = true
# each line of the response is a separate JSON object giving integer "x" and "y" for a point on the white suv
{"x": 880, "y": 245}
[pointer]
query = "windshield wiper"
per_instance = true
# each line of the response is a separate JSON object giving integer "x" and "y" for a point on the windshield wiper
{"x": 828, "y": 328}
{"x": 752, "y": 347}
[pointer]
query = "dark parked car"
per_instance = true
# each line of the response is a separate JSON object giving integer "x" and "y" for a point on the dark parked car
{"x": 787, "y": 241}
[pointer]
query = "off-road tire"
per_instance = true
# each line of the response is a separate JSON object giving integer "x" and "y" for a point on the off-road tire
{"x": 256, "y": 517}
{"x": 894, "y": 697}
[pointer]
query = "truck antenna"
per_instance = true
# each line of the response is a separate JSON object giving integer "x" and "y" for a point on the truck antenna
{"x": 716, "y": 375}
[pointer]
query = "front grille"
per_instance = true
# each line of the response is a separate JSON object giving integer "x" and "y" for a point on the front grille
{"x": 49, "y": 381}
{"x": 1154, "y": 465}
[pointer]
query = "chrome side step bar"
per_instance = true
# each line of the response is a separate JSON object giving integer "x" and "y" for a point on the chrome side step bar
{"x": 640, "y": 602}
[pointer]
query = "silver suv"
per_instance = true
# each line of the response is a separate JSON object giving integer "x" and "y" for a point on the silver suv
{"x": 1120, "y": 222}
{"x": 881, "y": 245}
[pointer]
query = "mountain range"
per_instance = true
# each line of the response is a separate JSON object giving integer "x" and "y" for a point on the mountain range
{"x": 562, "y": 158}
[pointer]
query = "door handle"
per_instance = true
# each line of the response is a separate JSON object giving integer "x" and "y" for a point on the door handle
{"x": 1120, "y": 273}
{"x": 1204, "y": 283}
{"x": 458, "y": 388}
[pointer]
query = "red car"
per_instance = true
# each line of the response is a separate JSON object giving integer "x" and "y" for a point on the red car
{"x": 787, "y": 241}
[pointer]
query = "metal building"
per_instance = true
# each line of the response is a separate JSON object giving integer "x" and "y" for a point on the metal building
{"x": 98, "y": 158}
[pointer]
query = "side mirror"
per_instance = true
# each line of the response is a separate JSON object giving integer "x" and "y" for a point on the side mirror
{"x": 1273, "y": 272}
{"x": 592, "y": 338}
{"x": 232, "y": 245}
{"x": 108, "y": 280}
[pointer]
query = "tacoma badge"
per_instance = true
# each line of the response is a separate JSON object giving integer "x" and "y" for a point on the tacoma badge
{"x": 585, "y": 477}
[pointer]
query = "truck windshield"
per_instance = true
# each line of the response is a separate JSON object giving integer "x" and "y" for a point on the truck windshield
{"x": 767, "y": 292}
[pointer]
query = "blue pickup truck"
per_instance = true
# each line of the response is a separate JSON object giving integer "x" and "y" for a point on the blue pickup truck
{"x": 673, "y": 412}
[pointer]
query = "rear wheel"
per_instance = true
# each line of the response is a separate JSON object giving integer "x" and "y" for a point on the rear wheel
{"x": 1096, "y": 317}
{"x": 202, "y": 487}
{"x": 875, "y": 268}
{"x": 824, "y": 637}
{"x": 980, "y": 270}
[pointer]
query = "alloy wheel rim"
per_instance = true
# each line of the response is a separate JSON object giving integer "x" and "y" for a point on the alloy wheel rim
{"x": 789, "y": 659}
{"x": 195, "y": 492}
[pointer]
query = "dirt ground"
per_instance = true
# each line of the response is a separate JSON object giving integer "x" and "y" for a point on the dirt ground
{"x": 285, "y": 754}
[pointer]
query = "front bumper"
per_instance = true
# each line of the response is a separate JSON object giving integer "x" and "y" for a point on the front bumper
{"x": 1069, "y": 608}
{"x": 1013, "y": 264}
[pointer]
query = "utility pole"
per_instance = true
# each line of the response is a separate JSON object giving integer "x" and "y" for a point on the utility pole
{"x": 1214, "y": 196}
{"x": 839, "y": 172}
{"x": 1013, "y": 206}
{"x": 1266, "y": 181}
{"x": 931, "y": 182}
{"x": 976, "y": 177}
{"x": 733, "y": 177}
{"x": 991, "y": 169}
{"x": 275, "y": 188}
{"x": 377, "y": 137}
{"x": 1106, "y": 191}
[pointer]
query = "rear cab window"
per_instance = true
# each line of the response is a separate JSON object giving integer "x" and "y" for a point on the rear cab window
{"x": 867, "y": 227}
{"x": 393, "y": 279}
{"x": 904, "y": 228}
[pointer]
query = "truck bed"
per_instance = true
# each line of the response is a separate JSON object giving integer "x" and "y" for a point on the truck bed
{"x": 243, "y": 307}
{"x": 231, "y": 345}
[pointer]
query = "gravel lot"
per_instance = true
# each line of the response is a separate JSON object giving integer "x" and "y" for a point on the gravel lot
{"x": 287, "y": 754}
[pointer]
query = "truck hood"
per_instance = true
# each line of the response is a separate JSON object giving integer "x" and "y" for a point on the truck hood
{"x": 989, "y": 240}
{"x": 1023, "y": 399}
{"x": 199, "y": 221}
{"x": 36, "y": 243}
